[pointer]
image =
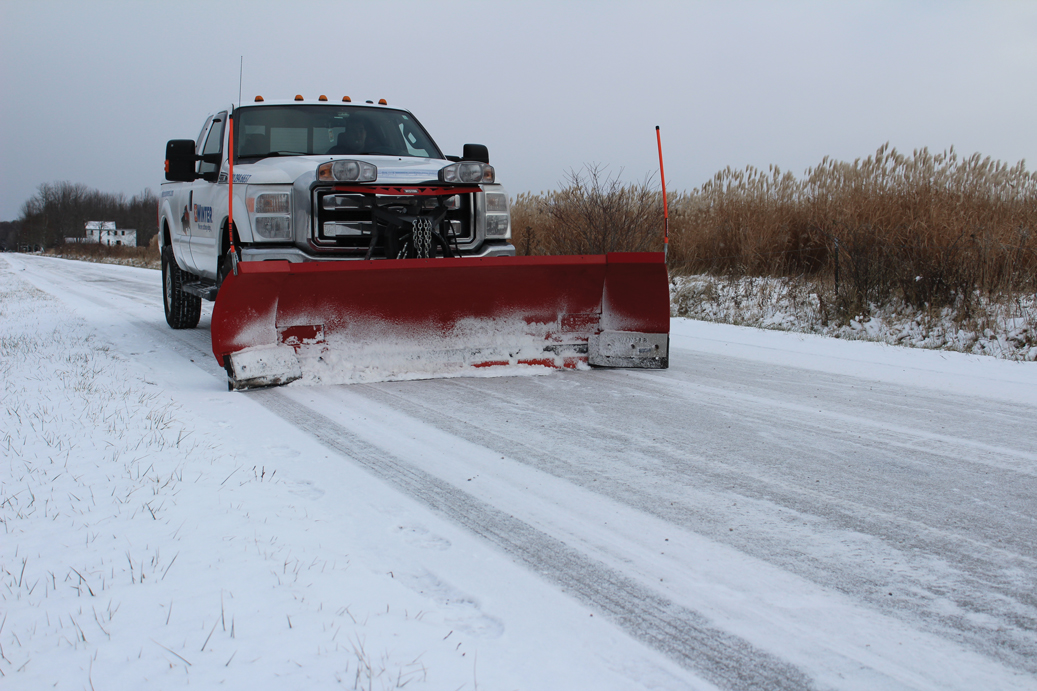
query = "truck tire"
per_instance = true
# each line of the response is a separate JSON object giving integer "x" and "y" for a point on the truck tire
{"x": 183, "y": 310}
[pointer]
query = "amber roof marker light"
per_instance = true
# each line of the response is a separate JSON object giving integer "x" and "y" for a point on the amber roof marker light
{"x": 298, "y": 97}
{"x": 259, "y": 99}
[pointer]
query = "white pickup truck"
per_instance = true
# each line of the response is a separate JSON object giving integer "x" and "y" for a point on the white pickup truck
{"x": 319, "y": 181}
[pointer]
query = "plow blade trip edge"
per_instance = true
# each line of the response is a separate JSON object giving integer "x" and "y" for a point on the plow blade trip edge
{"x": 608, "y": 310}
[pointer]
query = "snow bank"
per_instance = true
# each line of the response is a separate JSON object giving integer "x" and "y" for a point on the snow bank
{"x": 1005, "y": 330}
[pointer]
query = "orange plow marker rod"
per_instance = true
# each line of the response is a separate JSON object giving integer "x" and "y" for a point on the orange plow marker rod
{"x": 666, "y": 208}
{"x": 230, "y": 191}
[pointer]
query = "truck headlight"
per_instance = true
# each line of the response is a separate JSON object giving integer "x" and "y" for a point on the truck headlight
{"x": 467, "y": 172}
{"x": 272, "y": 203}
{"x": 271, "y": 215}
{"x": 347, "y": 171}
{"x": 498, "y": 217}
{"x": 496, "y": 203}
{"x": 497, "y": 226}
{"x": 273, "y": 227}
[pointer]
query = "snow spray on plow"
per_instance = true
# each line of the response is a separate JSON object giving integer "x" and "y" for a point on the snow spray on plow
{"x": 273, "y": 320}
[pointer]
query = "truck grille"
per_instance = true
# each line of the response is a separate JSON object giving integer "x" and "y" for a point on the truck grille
{"x": 344, "y": 223}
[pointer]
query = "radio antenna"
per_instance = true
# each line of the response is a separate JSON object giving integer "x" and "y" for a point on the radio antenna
{"x": 241, "y": 70}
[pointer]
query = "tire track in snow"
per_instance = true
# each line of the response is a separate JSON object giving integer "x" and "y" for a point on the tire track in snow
{"x": 682, "y": 634}
{"x": 927, "y": 560}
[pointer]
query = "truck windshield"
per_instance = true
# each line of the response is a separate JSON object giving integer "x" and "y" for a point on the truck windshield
{"x": 304, "y": 130}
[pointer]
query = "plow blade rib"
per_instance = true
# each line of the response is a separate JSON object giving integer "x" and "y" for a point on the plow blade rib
{"x": 343, "y": 319}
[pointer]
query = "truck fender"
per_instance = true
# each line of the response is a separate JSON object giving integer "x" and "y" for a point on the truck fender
{"x": 242, "y": 227}
{"x": 167, "y": 223}
{"x": 242, "y": 224}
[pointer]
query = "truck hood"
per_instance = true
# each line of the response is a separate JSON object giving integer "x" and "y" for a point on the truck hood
{"x": 287, "y": 169}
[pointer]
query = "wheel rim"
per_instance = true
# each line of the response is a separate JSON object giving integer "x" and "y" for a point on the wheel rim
{"x": 169, "y": 286}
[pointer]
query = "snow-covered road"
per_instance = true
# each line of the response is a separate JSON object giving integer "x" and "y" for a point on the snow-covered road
{"x": 774, "y": 511}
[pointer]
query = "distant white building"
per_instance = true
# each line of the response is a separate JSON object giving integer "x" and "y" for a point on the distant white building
{"x": 105, "y": 233}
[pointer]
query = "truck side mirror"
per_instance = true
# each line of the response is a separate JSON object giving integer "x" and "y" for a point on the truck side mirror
{"x": 180, "y": 160}
{"x": 476, "y": 152}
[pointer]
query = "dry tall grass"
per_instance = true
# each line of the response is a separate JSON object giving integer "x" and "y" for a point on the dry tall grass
{"x": 594, "y": 213}
{"x": 933, "y": 230}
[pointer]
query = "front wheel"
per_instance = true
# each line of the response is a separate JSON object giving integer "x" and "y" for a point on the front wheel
{"x": 183, "y": 310}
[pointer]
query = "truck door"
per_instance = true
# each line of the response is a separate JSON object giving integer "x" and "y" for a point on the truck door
{"x": 178, "y": 226}
{"x": 205, "y": 207}
{"x": 180, "y": 203}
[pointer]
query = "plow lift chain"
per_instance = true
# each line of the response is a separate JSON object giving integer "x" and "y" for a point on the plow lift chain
{"x": 411, "y": 234}
{"x": 421, "y": 236}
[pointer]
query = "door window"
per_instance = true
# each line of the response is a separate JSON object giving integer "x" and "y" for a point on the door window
{"x": 213, "y": 145}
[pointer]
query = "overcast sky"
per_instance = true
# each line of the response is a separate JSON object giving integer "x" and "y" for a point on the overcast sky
{"x": 91, "y": 91}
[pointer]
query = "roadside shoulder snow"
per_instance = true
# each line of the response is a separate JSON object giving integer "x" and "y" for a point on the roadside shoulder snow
{"x": 959, "y": 373}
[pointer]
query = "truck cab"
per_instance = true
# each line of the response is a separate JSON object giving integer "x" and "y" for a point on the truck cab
{"x": 324, "y": 181}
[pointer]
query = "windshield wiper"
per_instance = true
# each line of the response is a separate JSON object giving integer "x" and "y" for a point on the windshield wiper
{"x": 270, "y": 154}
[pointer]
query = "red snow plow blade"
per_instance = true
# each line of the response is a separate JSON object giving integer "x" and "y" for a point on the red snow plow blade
{"x": 345, "y": 321}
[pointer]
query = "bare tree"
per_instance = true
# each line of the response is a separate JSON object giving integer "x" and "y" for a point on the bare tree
{"x": 61, "y": 209}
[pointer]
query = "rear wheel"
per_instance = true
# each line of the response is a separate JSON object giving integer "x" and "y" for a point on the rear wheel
{"x": 183, "y": 310}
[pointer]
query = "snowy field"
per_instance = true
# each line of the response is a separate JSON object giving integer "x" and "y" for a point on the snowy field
{"x": 776, "y": 510}
{"x": 1005, "y": 328}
